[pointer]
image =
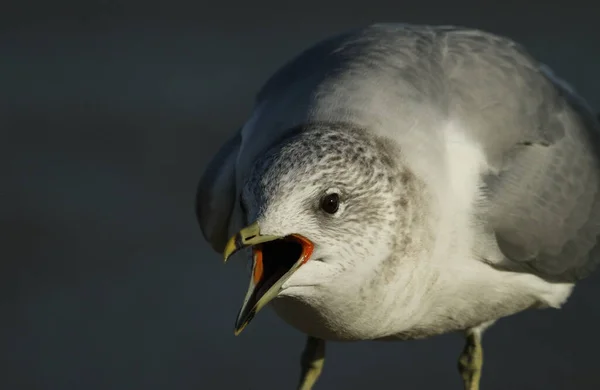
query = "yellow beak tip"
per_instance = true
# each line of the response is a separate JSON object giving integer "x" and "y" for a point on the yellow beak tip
{"x": 236, "y": 332}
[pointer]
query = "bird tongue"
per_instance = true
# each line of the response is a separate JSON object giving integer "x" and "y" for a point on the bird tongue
{"x": 272, "y": 261}
{"x": 268, "y": 281}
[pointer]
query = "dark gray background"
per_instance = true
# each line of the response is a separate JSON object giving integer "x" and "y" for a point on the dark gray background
{"x": 108, "y": 114}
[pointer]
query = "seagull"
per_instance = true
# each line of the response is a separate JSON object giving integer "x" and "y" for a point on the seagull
{"x": 400, "y": 181}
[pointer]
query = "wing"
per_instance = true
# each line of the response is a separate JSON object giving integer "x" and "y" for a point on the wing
{"x": 545, "y": 200}
{"x": 542, "y": 192}
{"x": 216, "y": 194}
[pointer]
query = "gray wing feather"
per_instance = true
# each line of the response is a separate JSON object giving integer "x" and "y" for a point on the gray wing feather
{"x": 551, "y": 197}
{"x": 542, "y": 198}
{"x": 216, "y": 194}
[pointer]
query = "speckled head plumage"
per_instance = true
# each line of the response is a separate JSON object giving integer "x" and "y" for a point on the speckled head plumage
{"x": 285, "y": 186}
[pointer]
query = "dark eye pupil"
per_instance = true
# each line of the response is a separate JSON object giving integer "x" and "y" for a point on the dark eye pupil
{"x": 330, "y": 203}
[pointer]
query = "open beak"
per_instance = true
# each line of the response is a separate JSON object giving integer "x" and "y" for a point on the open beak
{"x": 275, "y": 259}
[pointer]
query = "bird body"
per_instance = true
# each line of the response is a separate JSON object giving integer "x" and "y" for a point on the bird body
{"x": 465, "y": 175}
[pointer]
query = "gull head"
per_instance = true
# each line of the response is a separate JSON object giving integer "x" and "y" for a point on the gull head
{"x": 322, "y": 208}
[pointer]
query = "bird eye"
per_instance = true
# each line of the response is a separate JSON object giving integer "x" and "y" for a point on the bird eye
{"x": 330, "y": 203}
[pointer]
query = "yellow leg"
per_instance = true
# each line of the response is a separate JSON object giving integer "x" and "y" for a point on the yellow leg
{"x": 471, "y": 359}
{"x": 312, "y": 361}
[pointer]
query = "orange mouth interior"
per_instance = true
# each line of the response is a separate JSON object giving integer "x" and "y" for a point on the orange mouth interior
{"x": 273, "y": 259}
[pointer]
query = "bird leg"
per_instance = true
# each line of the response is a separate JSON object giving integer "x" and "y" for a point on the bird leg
{"x": 312, "y": 361}
{"x": 471, "y": 359}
